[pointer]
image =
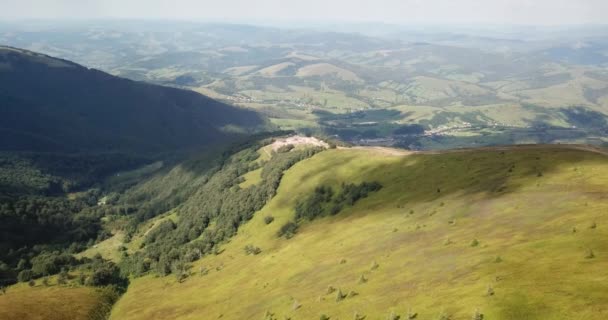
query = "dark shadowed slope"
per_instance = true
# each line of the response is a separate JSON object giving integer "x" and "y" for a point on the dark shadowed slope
{"x": 48, "y": 104}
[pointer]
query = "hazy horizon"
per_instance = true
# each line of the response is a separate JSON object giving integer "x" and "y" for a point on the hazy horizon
{"x": 406, "y": 12}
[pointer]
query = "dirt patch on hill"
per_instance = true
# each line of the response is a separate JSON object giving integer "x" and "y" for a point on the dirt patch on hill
{"x": 298, "y": 141}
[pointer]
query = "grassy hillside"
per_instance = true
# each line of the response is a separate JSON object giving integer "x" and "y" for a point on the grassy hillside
{"x": 515, "y": 233}
{"x": 50, "y": 303}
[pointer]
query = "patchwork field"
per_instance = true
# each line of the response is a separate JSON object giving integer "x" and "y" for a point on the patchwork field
{"x": 513, "y": 233}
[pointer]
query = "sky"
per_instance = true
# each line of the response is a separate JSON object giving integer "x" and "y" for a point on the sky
{"x": 406, "y": 12}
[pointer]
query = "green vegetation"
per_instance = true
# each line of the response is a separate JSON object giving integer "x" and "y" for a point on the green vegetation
{"x": 323, "y": 202}
{"x": 489, "y": 203}
{"x": 219, "y": 200}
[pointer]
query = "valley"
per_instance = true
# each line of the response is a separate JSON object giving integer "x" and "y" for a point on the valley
{"x": 363, "y": 88}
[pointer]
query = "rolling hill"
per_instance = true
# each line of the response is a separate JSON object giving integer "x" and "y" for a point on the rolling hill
{"x": 472, "y": 84}
{"x": 55, "y": 105}
{"x": 449, "y": 235}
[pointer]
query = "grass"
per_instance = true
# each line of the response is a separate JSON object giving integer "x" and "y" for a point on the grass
{"x": 109, "y": 248}
{"x": 252, "y": 178}
{"x": 48, "y": 303}
{"x": 138, "y": 239}
{"x": 525, "y": 219}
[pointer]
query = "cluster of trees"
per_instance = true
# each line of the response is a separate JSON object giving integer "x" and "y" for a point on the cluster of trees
{"x": 40, "y": 227}
{"x": 54, "y": 174}
{"x": 172, "y": 245}
{"x": 95, "y": 272}
{"x": 19, "y": 176}
{"x": 31, "y": 225}
{"x": 39, "y": 233}
{"x": 324, "y": 201}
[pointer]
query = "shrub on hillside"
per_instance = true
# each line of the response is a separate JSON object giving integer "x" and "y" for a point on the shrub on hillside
{"x": 285, "y": 148}
{"x": 322, "y": 202}
{"x": 490, "y": 291}
{"x": 477, "y": 315}
{"x": 411, "y": 315}
{"x": 362, "y": 279}
{"x": 340, "y": 295}
{"x": 25, "y": 275}
{"x": 358, "y": 316}
{"x": 105, "y": 274}
{"x": 252, "y": 250}
{"x": 288, "y": 230}
{"x": 296, "y": 305}
{"x": 374, "y": 265}
{"x": 268, "y": 219}
{"x": 48, "y": 263}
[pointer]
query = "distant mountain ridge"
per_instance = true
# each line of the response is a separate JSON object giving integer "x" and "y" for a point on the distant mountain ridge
{"x": 49, "y": 104}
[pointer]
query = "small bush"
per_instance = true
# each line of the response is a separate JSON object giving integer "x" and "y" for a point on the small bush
{"x": 375, "y": 265}
{"x": 288, "y": 230}
{"x": 477, "y": 315}
{"x": 285, "y": 148}
{"x": 411, "y": 315}
{"x": 340, "y": 296}
{"x": 358, "y": 316}
{"x": 490, "y": 291}
{"x": 25, "y": 276}
{"x": 590, "y": 254}
{"x": 362, "y": 279}
{"x": 32, "y": 283}
{"x": 323, "y": 317}
{"x": 330, "y": 289}
{"x": 268, "y": 219}
{"x": 269, "y": 316}
{"x": 393, "y": 316}
{"x": 593, "y": 225}
{"x": 252, "y": 250}
{"x": 296, "y": 305}
{"x": 474, "y": 243}
{"x": 498, "y": 259}
{"x": 352, "y": 294}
